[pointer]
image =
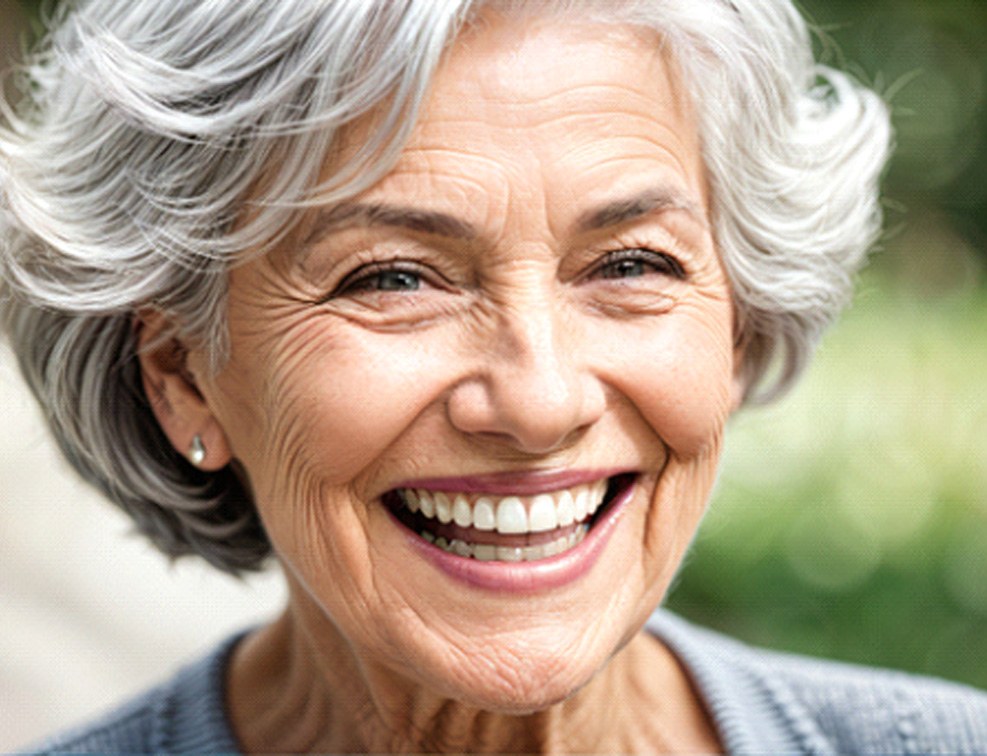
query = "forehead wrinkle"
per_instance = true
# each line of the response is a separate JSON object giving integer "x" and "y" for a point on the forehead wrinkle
{"x": 587, "y": 97}
{"x": 643, "y": 154}
{"x": 463, "y": 173}
{"x": 588, "y": 106}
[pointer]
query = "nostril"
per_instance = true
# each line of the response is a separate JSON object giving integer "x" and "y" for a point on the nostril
{"x": 535, "y": 416}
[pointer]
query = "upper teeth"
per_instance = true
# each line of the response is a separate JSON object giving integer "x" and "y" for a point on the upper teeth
{"x": 509, "y": 514}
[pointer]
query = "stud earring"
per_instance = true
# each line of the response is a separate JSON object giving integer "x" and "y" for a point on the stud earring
{"x": 197, "y": 451}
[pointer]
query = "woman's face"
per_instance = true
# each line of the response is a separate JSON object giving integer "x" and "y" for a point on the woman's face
{"x": 524, "y": 320}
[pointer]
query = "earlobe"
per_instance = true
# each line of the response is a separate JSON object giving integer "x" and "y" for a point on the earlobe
{"x": 175, "y": 399}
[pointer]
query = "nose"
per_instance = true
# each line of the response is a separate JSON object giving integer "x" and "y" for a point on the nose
{"x": 532, "y": 388}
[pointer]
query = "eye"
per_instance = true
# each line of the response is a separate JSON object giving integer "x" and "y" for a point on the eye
{"x": 383, "y": 277}
{"x": 636, "y": 263}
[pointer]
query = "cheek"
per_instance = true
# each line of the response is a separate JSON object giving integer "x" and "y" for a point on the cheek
{"x": 678, "y": 372}
{"x": 337, "y": 403}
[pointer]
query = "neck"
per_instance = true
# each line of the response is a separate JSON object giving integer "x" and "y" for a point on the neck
{"x": 298, "y": 686}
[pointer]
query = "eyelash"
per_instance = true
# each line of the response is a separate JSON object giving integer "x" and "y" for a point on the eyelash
{"x": 361, "y": 278}
{"x": 660, "y": 261}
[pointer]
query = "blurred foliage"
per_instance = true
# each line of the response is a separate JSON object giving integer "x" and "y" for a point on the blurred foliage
{"x": 850, "y": 519}
{"x": 929, "y": 58}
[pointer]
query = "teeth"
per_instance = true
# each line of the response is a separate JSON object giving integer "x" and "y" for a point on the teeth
{"x": 485, "y": 552}
{"x": 461, "y": 512}
{"x": 483, "y": 514}
{"x": 581, "y": 502}
{"x": 566, "y": 509}
{"x": 443, "y": 509}
{"x": 596, "y": 497}
{"x": 426, "y": 504}
{"x": 542, "y": 516}
{"x": 511, "y": 514}
{"x": 511, "y": 517}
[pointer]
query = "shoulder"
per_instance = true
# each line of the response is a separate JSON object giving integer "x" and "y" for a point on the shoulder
{"x": 861, "y": 709}
{"x": 185, "y": 714}
{"x": 833, "y": 707}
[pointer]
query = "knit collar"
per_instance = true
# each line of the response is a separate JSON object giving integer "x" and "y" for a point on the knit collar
{"x": 192, "y": 717}
{"x": 752, "y": 714}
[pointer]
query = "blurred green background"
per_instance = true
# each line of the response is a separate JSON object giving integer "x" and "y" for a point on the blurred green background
{"x": 850, "y": 519}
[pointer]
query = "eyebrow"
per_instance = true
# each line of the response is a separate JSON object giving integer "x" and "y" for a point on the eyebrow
{"x": 631, "y": 208}
{"x": 437, "y": 223}
{"x": 395, "y": 216}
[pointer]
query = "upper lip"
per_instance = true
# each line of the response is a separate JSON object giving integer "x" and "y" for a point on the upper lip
{"x": 514, "y": 482}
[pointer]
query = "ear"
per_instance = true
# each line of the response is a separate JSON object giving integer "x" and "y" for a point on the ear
{"x": 179, "y": 406}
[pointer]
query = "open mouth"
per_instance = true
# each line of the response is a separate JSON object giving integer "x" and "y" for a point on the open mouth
{"x": 489, "y": 527}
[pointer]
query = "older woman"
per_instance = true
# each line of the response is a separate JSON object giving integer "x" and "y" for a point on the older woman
{"x": 445, "y": 305}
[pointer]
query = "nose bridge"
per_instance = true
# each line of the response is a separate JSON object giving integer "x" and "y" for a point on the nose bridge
{"x": 535, "y": 355}
{"x": 533, "y": 388}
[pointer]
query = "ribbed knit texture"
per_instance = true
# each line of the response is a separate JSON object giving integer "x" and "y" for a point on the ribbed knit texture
{"x": 771, "y": 702}
{"x": 761, "y": 702}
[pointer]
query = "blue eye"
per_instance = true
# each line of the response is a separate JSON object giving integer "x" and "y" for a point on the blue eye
{"x": 635, "y": 263}
{"x": 624, "y": 269}
{"x": 379, "y": 278}
{"x": 394, "y": 280}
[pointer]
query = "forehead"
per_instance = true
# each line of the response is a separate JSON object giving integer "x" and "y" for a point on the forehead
{"x": 520, "y": 62}
{"x": 560, "y": 114}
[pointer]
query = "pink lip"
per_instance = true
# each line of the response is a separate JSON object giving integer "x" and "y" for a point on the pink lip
{"x": 516, "y": 483}
{"x": 527, "y": 577}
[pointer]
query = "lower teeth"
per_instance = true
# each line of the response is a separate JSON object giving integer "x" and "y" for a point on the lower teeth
{"x": 484, "y": 552}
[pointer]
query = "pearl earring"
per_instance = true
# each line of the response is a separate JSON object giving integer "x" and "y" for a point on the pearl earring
{"x": 197, "y": 451}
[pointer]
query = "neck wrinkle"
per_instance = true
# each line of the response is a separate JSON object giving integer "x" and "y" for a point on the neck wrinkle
{"x": 278, "y": 699}
{"x": 298, "y": 686}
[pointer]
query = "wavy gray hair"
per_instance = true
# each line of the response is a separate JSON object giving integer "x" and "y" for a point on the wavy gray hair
{"x": 157, "y": 144}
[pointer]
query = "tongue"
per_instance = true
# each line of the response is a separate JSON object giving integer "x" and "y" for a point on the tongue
{"x": 451, "y": 531}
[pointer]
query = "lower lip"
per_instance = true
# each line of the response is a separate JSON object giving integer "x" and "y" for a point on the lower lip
{"x": 528, "y": 577}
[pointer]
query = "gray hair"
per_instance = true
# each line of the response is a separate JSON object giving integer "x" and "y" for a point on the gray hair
{"x": 157, "y": 144}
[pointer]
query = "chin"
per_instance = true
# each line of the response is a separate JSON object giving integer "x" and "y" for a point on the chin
{"x": 524, "y": 697}
{"x": 521, "y": 681}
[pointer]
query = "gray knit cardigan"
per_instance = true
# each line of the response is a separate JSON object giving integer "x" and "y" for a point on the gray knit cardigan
{"x": 761, "y": 702}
